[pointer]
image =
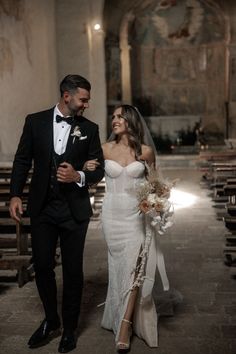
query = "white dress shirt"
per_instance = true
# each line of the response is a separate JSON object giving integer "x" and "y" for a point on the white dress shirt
{"x": 61, "y": 133}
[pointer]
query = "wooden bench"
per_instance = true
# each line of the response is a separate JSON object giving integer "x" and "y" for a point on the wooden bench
{"x": 230, "y": 255}
{"x": 14, "y": 237}
{"x": 217, "y": 156}
{"x": 221, "y": 177}
{"x": 231, "y": 209}
{"x": 230, "y": 223}
{"x": 222, "y": 189}
{"x": 207, "y": 161}
{"x": 15, "y": 243}
{"x": 231, "y": 237}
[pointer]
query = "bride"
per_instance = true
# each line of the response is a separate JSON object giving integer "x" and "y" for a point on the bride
{"x": 129, "y": 306}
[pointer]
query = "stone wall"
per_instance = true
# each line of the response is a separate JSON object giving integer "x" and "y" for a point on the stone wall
{"x": 81, "y": 51}
{"x": 28, "y": 65}
{"x": 41, "y": 41}
{"x": 181, "y": 59}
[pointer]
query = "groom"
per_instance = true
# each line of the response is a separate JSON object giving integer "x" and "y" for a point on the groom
{"x": 58, "y": 141}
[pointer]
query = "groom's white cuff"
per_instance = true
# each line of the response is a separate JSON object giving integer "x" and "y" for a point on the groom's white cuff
{"x": 82, "y": 179}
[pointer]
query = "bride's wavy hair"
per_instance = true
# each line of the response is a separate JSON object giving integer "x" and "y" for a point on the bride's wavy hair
{"x": 134, "y": 128}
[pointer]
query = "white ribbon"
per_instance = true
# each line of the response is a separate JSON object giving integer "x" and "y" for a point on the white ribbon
{"x": 155, "y": 260}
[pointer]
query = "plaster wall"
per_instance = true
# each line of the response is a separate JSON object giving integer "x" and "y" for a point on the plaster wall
{"x": 81, "y": 51}
{"x": 28, "y": 65}
{"x": 41, "y": 41}
{"x": 230, "y": 9}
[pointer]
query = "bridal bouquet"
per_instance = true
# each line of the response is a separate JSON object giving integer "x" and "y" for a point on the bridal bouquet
{"x": 153, "y": 197}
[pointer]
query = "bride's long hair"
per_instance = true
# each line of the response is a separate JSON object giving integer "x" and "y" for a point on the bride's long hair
{"x": 134, "y": 129}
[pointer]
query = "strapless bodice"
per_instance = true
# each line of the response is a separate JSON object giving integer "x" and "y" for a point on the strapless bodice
{"x": 123, "y": 179}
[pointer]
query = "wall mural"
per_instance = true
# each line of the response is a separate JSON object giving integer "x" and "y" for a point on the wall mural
{"x": 12, "y": 10}
{"x": 177, "y": 56}
{"x": 6, "y": 56}
{"x": 186, "y": 25}
{"x": 180, "y": 22}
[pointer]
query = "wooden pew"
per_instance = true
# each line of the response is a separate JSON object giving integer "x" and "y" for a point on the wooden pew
{"x": 14, "y": 237}
{"x": 221, "y": 173}
{"x": 230, "y": 223}
{"x": 208, "y": 159}
{"x": 217, "y": 156}
{"x": 15, "y": 252}
{"x": 221, "y": 177}
{"x": 15, "y": 245}
{"x": 230, "y": 255}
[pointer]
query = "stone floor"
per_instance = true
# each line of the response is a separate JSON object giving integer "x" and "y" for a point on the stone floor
{"x": 204, "y": 323}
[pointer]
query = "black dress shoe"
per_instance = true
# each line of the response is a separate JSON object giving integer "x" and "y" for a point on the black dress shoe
{"x": 67, "y": 342}
{"x": 40, "y": 336}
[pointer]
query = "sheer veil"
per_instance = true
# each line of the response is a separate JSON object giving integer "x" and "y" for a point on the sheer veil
{"x": 147, "y": 139}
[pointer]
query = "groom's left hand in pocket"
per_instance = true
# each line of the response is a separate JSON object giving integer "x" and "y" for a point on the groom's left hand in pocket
{"x": 67, "y": 174}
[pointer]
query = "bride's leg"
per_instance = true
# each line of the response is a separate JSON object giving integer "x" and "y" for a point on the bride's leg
{"x": 124, "y": 335}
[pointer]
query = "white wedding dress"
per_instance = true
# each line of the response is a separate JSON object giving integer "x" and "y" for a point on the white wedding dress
{"x": 124, "y": 231}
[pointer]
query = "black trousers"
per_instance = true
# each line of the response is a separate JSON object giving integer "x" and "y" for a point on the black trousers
{"x": 55, "y": 222}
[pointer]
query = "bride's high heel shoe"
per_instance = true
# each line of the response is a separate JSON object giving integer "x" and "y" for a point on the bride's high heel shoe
{"x": 122, "y": 347}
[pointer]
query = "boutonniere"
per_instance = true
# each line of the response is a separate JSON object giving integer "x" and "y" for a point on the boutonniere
{"x": 77, "y": 134}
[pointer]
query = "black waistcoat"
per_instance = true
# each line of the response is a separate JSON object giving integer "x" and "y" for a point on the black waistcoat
{"x": 54, "y": 191}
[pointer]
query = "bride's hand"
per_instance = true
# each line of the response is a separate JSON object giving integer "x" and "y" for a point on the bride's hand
{"x": 91, "y": 165}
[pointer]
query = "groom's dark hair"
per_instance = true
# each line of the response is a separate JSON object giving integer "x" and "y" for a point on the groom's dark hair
{"x": 72, "y": 82}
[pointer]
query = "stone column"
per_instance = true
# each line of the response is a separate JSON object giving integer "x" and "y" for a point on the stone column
{"x": 125, "y": 59}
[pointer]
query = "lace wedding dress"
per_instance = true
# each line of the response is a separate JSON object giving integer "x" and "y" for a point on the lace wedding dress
{"x": 124, "y": 231}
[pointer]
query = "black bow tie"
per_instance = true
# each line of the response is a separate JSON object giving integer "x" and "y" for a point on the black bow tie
{"x": 68, "y": 120}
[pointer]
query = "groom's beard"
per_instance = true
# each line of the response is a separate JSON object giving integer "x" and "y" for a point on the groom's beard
{"x": 74, "y": 109}
{"x": 79, "y": 112}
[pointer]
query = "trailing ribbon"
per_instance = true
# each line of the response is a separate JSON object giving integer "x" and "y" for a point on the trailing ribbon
{"x": 155, "y": 260}
{"x": 152, "y": 258}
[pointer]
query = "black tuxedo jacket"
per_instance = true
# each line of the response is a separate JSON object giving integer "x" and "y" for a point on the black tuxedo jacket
{"x": 36, "y": 145}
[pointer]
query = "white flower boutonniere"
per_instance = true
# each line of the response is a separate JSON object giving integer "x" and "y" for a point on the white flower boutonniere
{"x": 77, "y": 134}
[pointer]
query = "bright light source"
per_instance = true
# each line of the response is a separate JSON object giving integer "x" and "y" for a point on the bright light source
{"x": 182, "y": 199}
{"x": 97, "y": 27}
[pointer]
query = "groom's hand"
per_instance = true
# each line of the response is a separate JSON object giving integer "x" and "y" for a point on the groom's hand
{"x": 67, "y": 174}
{"x": 15, "y": 208}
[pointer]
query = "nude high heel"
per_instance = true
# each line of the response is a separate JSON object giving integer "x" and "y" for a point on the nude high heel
{"x": 122, "y": 347}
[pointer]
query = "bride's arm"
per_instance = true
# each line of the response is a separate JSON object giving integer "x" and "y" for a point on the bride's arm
{"x": 91, "y": 165}
{"x": 106, "y": 148}
{"x": 148, "y": 155}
